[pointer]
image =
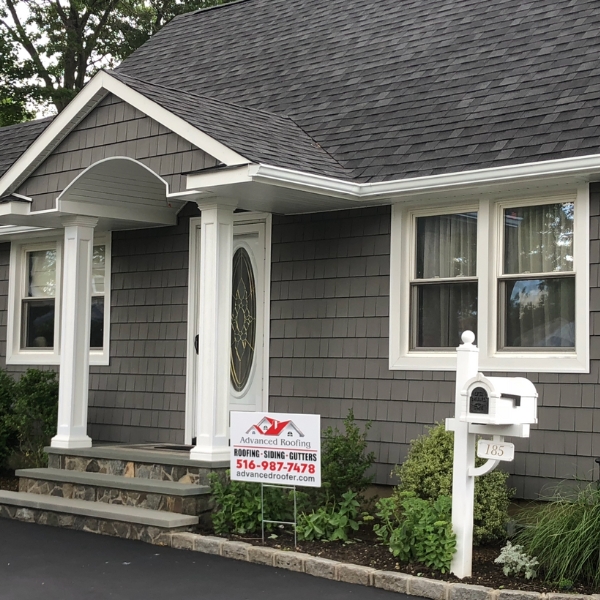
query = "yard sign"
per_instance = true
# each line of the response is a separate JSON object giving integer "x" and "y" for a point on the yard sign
{"x": 276, "y": 448}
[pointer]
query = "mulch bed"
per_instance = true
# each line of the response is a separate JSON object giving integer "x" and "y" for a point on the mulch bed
{"x": 369, "y": 553}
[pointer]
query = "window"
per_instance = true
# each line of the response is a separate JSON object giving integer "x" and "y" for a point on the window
{"x": 515, "y": 273}
{"x": 33, "y": 335}
{"x": 444, "y": 289}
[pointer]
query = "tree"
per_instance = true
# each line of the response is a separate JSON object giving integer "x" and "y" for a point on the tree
{"x": 50, "y": 48}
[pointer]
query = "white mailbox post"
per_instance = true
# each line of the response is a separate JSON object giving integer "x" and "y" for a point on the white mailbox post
{"x": 492, "y": 407}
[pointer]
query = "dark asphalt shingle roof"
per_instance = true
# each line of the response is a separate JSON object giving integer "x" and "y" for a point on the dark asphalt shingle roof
{"x": 257, "y": 135}
{"x": 14, "y": 140}
{"x": 394, "y": 89}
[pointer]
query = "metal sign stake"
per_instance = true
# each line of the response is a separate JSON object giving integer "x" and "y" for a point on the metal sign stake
{"x": 262, "y": 510}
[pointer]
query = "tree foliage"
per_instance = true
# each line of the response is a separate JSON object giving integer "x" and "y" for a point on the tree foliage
{"x": 50, "y": 48}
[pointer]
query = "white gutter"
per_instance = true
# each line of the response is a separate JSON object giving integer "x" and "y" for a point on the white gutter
{"x": 361, "y": 191}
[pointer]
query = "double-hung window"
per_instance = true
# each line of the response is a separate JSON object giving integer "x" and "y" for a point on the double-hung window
{"x": 513, "y": 272}
{"x": 34, "y": 310}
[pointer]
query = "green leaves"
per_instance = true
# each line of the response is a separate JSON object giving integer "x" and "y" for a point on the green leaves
{"x": 238, "y": 506}
{"x": 48, "y": 50}
{"x": 345, "y": 461}
{"x": 334, "y": 522}
{"x": 564, "y": 535}
{"x": 28, "y": 416}
{"x": 422, "y": 532}
{"x": 427, "y": 472}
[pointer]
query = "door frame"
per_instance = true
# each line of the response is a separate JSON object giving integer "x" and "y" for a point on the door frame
{"x": 246, "y": 218}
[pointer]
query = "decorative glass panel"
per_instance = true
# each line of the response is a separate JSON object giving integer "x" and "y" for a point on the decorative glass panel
{"x": 38, "y": 323}
{"x": 98, "y": 268}
{"x": 445, "y": 311}
{"x": 41, "y": 273}
{"x": 538, "y": 239}
{"x": 97, "y": 324}
{"x": 243, "y": 319}
{"x": 540, "y": 313}
{"x": 447, "y": 246}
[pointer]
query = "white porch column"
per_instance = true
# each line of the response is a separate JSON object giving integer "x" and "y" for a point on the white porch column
{"x": 214, "y": 346}
{"x": 75, "y": 334}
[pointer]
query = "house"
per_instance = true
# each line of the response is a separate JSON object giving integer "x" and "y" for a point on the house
{"x": 269, "y": 426}
{"x": 299, "y": 205}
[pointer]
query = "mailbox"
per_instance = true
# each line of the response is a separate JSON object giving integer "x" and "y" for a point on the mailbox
{"x": 499, "y": 401}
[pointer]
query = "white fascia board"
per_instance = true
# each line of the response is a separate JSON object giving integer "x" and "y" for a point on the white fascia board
{"x": 216, "y": 177}
{"x": 14, "y": 208}
{"x": 389, "y": 189}
{"x": 102, "y": 81}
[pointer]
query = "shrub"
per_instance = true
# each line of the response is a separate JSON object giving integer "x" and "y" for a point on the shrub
{"x": 515, "y": 561}
{"x": 564, "y": 535}
{"x": 333, "y": 523}
{"x": 424, "y": 532}
{"x": 238, "y": 505}
{"x": 386, "y": 513}
{"x": 345, "y": 461}
{"x": 427, "y": 472}
{"x": 7, "y": 434}
{"x": 34, "y": 415}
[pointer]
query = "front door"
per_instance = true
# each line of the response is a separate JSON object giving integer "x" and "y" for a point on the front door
{"x": 249, "y": 317}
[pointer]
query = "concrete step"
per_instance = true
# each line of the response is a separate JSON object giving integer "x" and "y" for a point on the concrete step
{"x": 137, "y": 484}
{"x": 155, "y": 494}
{"x": 95, "y": 510}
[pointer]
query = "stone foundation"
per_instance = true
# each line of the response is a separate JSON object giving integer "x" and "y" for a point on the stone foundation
{"x": 186, "y": 505}
{"x": 131, "y": 531}
{"x": 124, "y": 468}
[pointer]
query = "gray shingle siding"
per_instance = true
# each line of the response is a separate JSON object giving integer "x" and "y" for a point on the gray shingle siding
{"x": 140, "y": 396}
{"x": 114, "y": 128}
{"x": 329, "y": 351}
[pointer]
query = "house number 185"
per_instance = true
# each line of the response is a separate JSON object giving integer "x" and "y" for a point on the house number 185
{"x": 495, "y": 450}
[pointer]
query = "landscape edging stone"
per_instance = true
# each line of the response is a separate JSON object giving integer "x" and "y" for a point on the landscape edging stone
{"x": 391, "y": 581}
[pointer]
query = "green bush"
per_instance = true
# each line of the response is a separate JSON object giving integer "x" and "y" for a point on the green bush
{"x": 238, "y": 506}
{"x": 564, "y": 536}
{"x": 7, "y": 434}
{"x": 424, "y": 531}
{"x": 345, "y": 461}
{"x": 427, "y": 472}
{"x": 332, "y": 523}
{"x": 34, "y": 416}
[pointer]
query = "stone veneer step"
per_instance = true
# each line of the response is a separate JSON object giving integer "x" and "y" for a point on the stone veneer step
{"x": 109, "y": 512}
{"x": 138, "y": 484}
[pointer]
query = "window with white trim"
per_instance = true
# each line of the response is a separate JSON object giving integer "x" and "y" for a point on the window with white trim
{"x": 35, "y": 277}
{"x": 515, "y": 272}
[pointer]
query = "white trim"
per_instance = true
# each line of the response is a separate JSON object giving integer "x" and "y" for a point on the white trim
{"x": 16, "y": 285}
{"x": 387, "y": 190}
{"x": 87, "y": 99}
{"x": 193, "y": 311}
{"x": 489, "y": 253}
{"x": 192, "y": 327}
{"x": 15, "y": 355}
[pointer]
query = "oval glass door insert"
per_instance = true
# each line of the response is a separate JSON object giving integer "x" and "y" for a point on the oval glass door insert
{"x": 243, "y": 319}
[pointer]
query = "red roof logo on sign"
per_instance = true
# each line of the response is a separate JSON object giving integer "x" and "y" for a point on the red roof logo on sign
{"x": 272, "y": 427}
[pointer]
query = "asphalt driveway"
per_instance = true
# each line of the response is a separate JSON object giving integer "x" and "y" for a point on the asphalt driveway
{"x": 48, "y": 563}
